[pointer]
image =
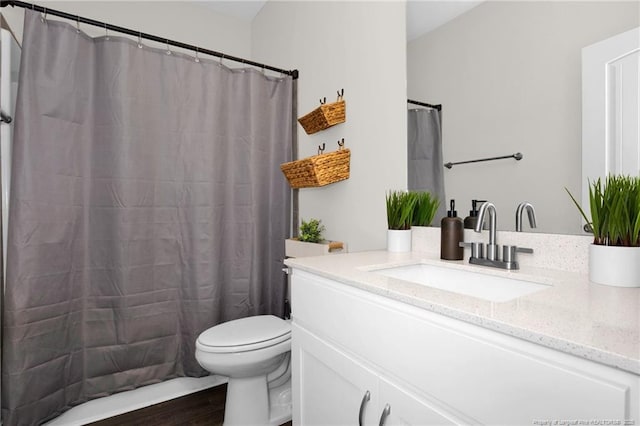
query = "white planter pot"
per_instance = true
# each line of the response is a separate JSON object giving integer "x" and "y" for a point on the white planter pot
{"x": 615, "y": 266}
{"x": 398, "y": 240}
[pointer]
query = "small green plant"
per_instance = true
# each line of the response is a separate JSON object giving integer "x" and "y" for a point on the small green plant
{"x": 615, "y": 211}
{"x": 425, "y": 209}
{"x": 311, "y": 231}
{"x": 400, "y": 206}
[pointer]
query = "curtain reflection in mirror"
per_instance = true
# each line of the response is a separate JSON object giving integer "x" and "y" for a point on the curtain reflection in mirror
{"x": 424, "y": 152}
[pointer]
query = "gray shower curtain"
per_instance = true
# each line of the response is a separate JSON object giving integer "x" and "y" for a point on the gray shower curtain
{"x": 424, "y": 152}
{"x": 147, "y": 205}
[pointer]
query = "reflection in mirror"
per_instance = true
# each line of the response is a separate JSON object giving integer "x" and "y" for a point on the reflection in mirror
{"x": 508, "y": 76}
{"x": 424, "y": 153}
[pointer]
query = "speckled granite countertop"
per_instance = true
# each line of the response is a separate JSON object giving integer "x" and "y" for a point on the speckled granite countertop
{"x": 593, "y": 321}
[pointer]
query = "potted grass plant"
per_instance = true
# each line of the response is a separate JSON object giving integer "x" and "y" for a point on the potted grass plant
{"x": 425, "y": 209}
{"x": 400, "y": 209}
{"x": 614, "y": 256}
{"x": 310, "y": 241}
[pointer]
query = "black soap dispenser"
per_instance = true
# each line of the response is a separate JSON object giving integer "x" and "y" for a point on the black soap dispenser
{"x": 471, "y": 220}
{"x": 451, "y": 235}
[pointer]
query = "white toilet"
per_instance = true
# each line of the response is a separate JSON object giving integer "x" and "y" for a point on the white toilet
{"x": 254, "y": 353}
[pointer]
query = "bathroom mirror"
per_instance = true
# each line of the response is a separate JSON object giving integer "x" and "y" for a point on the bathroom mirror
{"x": 508, "y": 76}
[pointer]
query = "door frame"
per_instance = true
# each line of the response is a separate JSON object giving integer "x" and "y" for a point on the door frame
{"x": 609, "y": 120}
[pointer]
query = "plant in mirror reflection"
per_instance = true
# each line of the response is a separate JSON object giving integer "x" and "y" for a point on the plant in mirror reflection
{"x": 615, "y": 210}
{"x": 425, "y": 209}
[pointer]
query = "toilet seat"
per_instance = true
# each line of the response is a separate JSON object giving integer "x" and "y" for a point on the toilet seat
{"x": 245, "y": 334}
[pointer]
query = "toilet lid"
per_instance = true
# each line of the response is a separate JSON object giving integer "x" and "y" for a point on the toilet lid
{"x": 255, "y": 332}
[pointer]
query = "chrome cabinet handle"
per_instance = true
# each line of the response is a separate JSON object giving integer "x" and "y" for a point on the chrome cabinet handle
{"x": 385, "y": 414}
{"x": 365, "y": 399}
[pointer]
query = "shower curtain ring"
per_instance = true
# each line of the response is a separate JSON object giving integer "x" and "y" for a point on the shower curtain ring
{"x": 139, "y": 40}
{"x": 168, "y": 52}
{"x": 197, "y": 58}
{"x": 221, "y": 58}
{"x": 77, "y": 24}
{"x": 43, "y": 17}
{"x": 106, "y": 32}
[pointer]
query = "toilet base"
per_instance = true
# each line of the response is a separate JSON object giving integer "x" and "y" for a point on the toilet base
{"x": 280, "y": 404}
{"x": 270, "y": 407}
{"x": 251, "y": 390}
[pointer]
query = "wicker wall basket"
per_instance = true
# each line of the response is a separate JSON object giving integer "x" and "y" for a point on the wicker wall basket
{"x": 325, "y": 116}
{"x": 319, "y": 170}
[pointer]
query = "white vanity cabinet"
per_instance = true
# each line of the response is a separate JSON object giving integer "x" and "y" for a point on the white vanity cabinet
{"x": 432, "y": 369}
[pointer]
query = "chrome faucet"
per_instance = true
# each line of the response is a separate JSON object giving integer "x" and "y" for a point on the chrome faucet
{"x": 531, "y": 213}
{"x": 492, "y": 259}
{"x": 492, "y": 247}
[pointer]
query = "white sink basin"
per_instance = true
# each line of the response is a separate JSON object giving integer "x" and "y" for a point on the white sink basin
{"x": 483, "y": 286}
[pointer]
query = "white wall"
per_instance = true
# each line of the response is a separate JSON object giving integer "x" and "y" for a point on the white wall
{"x": 358, "y": 46}
{"x": 509, "y": 77}
{"x": 361, "y": 47}
{"x": 181, "y": 21}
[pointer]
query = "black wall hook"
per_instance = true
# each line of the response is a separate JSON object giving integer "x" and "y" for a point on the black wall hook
{"x": 341, "y": 143}
{"x": 323, "y": 101}
{"x": 340, "y": 93}
{"x": 321, "y": 148}
{"x": 4, "y": 118}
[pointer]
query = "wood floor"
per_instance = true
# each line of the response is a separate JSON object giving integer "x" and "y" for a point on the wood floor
{"x": 204, "y": 408}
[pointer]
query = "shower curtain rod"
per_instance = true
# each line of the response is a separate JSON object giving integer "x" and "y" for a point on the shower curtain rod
{"x": 104, "y": 25}
{"x": 438, "y": 107}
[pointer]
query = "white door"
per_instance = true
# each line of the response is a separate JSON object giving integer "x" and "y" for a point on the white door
{"x": 329, "y": 387}
{"x": 610, "y": 109}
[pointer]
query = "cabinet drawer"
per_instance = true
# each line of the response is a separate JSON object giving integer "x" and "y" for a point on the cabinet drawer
{"x": 488, "y": 376}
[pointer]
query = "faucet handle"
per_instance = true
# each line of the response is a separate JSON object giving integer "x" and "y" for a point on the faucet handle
{"x": 509, "y": 252}
{"x": 477, "y": 248}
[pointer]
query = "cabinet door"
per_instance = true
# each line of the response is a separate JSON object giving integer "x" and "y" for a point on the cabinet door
{"x": 329, "y": 386}
{"x": 409, "y": 409}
